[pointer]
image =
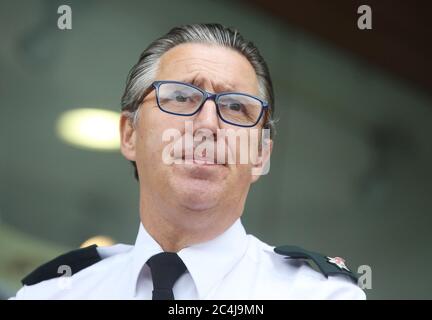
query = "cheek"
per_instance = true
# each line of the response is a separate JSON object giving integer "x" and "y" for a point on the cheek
{"x": 244, "y": 172}
{"x": 242, "y": 148}
{"x": 239, "y": 180}
{"x": 150, "y": 142}
{"x": 255, "y": 146}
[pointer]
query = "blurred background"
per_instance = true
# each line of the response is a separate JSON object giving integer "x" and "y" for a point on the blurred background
{"x": 351, "y": 170}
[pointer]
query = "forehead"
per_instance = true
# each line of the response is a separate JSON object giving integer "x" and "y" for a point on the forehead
{"x": 212, "y": 67}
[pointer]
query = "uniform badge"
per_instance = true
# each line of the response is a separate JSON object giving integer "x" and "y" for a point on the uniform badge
{"x": 339, "y": 262}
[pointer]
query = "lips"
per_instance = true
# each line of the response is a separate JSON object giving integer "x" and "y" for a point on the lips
{"x": 198, "y": 159}
{"x": 191, "y": 157}
{"x": 203, "y": 153}
{"x": 204, "y": 161}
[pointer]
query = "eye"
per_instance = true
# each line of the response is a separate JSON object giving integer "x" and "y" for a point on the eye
{"x": 180, "y": 96}
{"x": 235, "y": 106}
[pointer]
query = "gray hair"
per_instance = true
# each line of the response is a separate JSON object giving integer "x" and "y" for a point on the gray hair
{"x": 143, "y": 73}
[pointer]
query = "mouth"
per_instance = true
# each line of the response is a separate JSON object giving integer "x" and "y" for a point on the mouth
{"x": 202, "y": 154}
{"x": 204, "y": 159}
{"x": 200, "y": 160}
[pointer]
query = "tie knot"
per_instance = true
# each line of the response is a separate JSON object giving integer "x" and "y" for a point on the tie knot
{"x": 166, "y": 268}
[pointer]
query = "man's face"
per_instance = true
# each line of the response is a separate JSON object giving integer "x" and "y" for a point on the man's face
{"x": 195, "y": 186}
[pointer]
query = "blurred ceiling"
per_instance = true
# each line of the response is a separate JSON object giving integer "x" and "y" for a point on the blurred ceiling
{"x": 399, "y": 41}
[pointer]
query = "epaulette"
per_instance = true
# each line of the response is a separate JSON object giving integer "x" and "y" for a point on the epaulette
{"x": 327, "y": 265}
{"x": 75, "y": 260}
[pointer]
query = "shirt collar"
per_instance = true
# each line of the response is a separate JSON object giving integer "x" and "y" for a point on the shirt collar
{"x": 207, "y": 262}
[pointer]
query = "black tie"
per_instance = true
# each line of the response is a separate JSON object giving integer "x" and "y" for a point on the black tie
{"x": 166, "y": 268}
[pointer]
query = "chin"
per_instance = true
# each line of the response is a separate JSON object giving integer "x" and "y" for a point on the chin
{"x": 197, "y": 194}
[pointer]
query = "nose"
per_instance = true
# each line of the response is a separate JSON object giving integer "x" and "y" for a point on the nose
{"x": 207, "y": 117}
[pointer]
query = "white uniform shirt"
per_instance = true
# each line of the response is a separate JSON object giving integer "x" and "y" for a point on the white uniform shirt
{"x": 234, "y": 265}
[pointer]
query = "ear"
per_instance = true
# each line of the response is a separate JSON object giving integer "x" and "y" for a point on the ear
{"x": 262, "y": 166}
{"x": 127, "y": 136}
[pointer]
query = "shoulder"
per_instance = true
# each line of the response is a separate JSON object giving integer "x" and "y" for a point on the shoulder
{"x": 47, "y": 280}
{"x": 328, "y": 266}
{"x": 305, "y": 274}
{"x": 73, "y": 261}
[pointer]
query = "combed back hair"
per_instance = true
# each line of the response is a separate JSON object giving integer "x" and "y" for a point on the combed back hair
{"x": 143, "y": 73}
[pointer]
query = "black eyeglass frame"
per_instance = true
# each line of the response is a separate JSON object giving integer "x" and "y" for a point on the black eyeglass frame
{"x": 206, "y": 96}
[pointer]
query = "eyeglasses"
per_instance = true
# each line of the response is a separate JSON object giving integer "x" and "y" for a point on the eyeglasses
{"x": 184, "y": 99}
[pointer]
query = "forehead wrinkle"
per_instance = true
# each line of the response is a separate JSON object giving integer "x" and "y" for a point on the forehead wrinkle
{"x": 220, "y": 71}
{"x": 217, "y": 68}
{"x": 190, "y": 63}
{"x": 218, "y": 85}
{"x": 202, "y": 75}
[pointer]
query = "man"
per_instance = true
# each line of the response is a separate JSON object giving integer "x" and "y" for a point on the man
{"x": 188, "y": 87}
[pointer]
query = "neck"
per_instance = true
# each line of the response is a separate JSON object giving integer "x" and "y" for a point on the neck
{"x": 175, "y": 228}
